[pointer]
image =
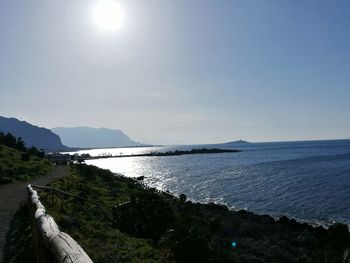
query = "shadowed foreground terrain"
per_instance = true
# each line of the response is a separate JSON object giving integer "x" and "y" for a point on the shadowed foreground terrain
{"x": 151, "y": 226}
{"x": 18, "y": 247}
{"x": 12, "y": 195}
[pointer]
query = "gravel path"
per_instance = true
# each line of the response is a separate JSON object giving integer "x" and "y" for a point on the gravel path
{"x": 12, "y": 195}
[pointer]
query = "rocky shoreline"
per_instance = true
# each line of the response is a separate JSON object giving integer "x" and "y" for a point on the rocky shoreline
{"x": 152, "y": 226}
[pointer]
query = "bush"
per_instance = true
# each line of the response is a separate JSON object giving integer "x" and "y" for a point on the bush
{"x": 191, "y": 240}
{"x": 148, "y": 216}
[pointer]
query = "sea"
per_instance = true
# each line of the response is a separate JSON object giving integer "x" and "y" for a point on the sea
{"x": 308, "y": 180}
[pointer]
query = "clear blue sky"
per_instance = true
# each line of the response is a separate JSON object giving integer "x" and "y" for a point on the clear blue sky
{"x": 181, "y": 71}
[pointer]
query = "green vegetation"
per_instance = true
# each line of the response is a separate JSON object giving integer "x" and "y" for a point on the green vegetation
{"x": 93, "y": 227}
{"x": 12, "y": 142}
{"x": 13, "y": 167}
{"x": 151, "y": 226}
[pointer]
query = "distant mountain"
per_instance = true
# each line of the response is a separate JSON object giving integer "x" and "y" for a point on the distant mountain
{"x": 86, "y": 137}
{"x": 32, "y": 135}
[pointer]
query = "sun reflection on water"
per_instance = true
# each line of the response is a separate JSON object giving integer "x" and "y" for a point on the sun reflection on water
{"x": 135, "y": 167}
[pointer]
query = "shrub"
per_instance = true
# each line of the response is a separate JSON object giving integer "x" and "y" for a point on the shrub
{"x": 148, "y": 216}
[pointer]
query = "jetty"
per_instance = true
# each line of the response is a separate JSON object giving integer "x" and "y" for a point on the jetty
{"x": 67, "y": 158}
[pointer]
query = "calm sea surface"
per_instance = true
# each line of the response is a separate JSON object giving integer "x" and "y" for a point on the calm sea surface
{"x": 305, "y": 180}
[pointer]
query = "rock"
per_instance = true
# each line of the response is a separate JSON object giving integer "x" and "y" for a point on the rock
{"x": 338, "y": 235}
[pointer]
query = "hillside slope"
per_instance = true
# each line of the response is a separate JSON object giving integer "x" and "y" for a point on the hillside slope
{"x": 31, "y": 134}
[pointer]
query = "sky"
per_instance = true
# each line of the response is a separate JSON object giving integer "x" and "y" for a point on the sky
{"x": 181, "y": 71}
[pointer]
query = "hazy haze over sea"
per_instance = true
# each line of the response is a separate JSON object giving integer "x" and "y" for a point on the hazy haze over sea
{"x": 305, "y": 180}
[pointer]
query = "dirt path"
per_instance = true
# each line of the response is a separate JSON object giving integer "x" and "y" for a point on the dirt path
{"x": 12, "y": 195}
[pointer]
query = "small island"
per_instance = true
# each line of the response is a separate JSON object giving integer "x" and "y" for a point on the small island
{"x": 238, "y": 142}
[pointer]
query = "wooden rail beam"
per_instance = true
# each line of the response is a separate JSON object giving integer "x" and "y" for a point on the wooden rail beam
{"x": 50, "y": 244}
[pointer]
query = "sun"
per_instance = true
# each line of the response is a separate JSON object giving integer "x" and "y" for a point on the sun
{"x": 108, "y": 15}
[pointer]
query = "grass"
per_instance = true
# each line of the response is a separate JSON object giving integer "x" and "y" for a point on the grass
{"x": 13, "y": 169}
{"x": 88, "y": 224}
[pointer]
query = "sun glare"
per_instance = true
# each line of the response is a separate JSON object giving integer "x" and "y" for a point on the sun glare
{"x": 108, "y": 15}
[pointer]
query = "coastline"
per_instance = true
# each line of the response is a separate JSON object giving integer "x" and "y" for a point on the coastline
{"x": 259, "y": 238}
{"x": 306, "y": 179}
{"x": 276, "y": 216}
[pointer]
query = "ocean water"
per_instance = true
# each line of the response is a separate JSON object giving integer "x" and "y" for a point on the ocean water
{"x": 309, "y": 181}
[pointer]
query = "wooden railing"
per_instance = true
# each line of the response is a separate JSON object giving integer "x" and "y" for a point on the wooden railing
{"x": 106, "y": 212}
{"x": 50, "y": 244}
